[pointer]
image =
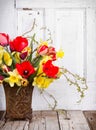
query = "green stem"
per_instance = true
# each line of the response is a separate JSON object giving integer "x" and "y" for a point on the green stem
{"x": 51, "y": 96}
{"x": 3, "y": 73}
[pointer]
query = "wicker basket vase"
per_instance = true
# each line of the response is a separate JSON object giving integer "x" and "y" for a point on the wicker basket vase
{"x": 18, "y": 106}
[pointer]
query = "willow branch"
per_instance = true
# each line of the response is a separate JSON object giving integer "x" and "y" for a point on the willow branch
{"x": 51, "y": 96}
{"x": 75, "y": 81}
{"x": 49, "y": 33}
{"x": 32, "y": 28}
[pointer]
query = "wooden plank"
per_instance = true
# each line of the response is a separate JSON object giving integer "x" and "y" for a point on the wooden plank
{"x": 44, "y": 120}
{"x": 72, "y": 120}
{"x": 15, "y": 125}
{"x": 2, "y": 121}
{"x": 91, "y": 118}
{"x": 51, "y": 120}
{"x": 38, "y": 122}
{"x": 2, "y": 124}
{"x": 54, "y": 120}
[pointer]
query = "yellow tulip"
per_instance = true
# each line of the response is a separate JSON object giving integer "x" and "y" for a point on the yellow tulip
{"x": 1, "y": 54}
{"x": 7, "y": 59}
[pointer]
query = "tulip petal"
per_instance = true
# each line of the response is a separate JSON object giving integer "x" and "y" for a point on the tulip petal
{"x": 7, "y": 59}
{"x": 25, "y": 69}
{"x": 18, "y": 44}
{"x": 4, "y": 39}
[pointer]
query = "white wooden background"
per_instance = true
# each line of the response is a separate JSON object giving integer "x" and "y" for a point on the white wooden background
{"x": 73, "y": 27}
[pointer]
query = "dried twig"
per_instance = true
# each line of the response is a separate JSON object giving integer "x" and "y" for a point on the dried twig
{"x": 32, "y": 28}
{"x": 51, "y": 96}
{"x": 49, "y": 33}
{"x": 75, "y": 81}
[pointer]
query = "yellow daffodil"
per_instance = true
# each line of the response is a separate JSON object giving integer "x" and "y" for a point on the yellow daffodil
{"x": 13, "y": 78}
{"x": 60, "y": 54}
{"x": 42, "y": 82}
{"x": 24, "y": 82}
{"x": 7, "y": 59}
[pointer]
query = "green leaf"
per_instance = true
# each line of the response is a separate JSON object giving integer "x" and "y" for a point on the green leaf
{"x": 31, "y": 46}
{"x": 3, "y": 73}
{"x": 32, "y": 77}
{"x": 36, "y": 61}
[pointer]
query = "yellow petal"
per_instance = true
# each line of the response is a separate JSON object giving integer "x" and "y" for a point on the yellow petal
{"x": 11, "y": 84}
{"x": 1, "y": 55}
{"x": 43, "y": 43}
{"x": 13, "y": 78}
{"x": 42, "y": 82}
{"x": 7, "y": 59}
{"x": 60, "y": 54}
{"x": 1, "y": 48}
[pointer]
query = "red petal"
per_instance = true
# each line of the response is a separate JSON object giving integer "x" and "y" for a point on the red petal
{"x": 19, "y": 68}
{"x": 25, "y": 67}
{"x": 18, "y": 44}
{"x": 50, "y": 70}
{"x": 42, "y": 50}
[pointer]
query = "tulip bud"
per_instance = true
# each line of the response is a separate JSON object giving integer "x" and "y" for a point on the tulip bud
{"x": 23, "y": 55}
{"x": 4, "y": 39}
{"x": 42, "y": 50}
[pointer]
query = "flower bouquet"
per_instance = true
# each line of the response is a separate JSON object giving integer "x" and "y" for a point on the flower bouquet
{"x": 22, "y": 67}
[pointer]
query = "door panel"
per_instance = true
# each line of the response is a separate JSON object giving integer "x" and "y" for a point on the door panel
{"x": 67, "y": 26}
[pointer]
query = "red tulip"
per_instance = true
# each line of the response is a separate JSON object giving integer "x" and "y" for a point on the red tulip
{"x": 4, "y": 39}
{"x": 25, "y": 69}
{"x": 42, "y": 50}
{"x": 18, "y": 44}
{"x": 50, "y": 70}
{"x": 52, "y": 53}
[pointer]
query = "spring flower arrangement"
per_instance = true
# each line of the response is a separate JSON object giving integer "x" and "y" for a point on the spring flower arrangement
{"x": 21, "y": 64}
